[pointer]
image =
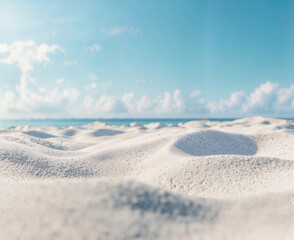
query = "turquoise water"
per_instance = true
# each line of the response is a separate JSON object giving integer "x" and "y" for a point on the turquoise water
{"x": 79, "y": 122}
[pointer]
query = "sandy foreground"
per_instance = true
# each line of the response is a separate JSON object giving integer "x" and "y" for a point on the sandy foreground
{"x": 199, "y": 180}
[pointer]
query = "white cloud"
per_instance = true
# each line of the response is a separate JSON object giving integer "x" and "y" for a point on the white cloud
{"x": 143, "y": 104}
{"x": 95, "y": 48}
{"x": 194, "y": 94}
{"x": 7, "y": 103}
{"x": 262, "y": 99}
{"x": 127, "y": 101}
{"x": 116, "y": 30}
{"x": 26, "y": 53}
{"x": 105, "y": 104}
{"x": 93, "y": 77}
{"x": 29, "y": 98}
{"x": 286, "y": 95}
{"x": 59, "y": 81}
{"x": 131, "y": 31}
{"x": 165, "y": 104}
{"x": 231, "y": 105}
{"x": 91, "y": 86}
{"x": 33, "y": 99}
{"x": 179, "y": 102}
{"x": 171, "y": 103}
{"x": 71, "y": 94}
{"x": 101, "y": 86}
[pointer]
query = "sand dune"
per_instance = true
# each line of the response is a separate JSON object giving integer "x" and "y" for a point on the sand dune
{"x": 198, "y": 180}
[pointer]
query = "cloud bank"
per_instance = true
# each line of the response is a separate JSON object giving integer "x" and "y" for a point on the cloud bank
{"x": 267, "y": 99}
{"x": 28, "y": 99}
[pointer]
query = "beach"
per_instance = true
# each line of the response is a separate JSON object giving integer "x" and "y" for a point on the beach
{"x": 195, "y": 180}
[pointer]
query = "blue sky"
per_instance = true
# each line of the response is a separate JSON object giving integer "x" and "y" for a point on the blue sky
{"x": 219, "y": 58}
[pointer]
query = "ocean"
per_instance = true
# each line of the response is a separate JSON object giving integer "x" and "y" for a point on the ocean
{"x": 114, "y": 121}
{"x": 79, "y": 122}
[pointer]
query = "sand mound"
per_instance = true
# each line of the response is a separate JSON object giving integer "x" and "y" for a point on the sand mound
{"x": 69, "y": 132}
{"x": 39, "y": 134}
{"x": 145, "y": 199}
{"x": 277, "y": 144}
{"x": 210, "y": 142}
{"x": 106, "y": 132}
{"x": 155, "y": 125}
{"x": 154, "y": 212}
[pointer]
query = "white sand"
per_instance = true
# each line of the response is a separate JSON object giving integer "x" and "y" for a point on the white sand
{"x": 199, "y": 180}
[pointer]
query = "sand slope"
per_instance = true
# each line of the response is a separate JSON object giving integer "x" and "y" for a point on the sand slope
{"x": 199, "y": 180}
